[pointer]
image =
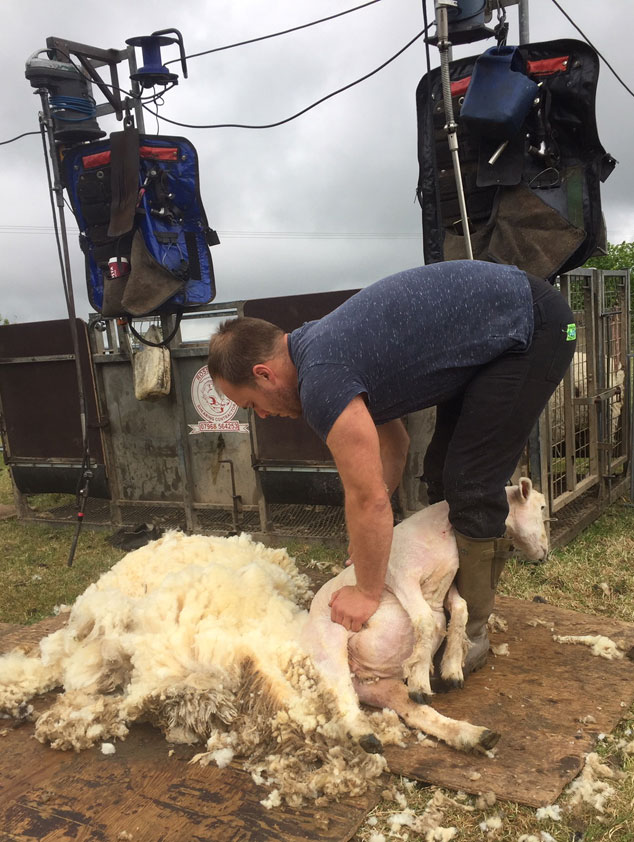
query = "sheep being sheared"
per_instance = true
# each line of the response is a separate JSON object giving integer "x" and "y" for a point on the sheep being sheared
{"x": 399, "y": 641}
{"x": 206, "y": 638}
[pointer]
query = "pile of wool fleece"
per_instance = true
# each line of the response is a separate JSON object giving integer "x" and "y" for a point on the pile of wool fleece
{"x": 200, "y": 636}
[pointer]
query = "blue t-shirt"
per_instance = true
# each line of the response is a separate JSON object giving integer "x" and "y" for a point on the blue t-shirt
{"x": 410, "y": 341}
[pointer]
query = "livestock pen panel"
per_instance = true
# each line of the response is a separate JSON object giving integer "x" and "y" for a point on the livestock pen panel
{"x": 183, "y": 459}
{"x": 588, "y": 420}
{"x": 613, "y": 346}
{"x": 573, "y": 454}
{"x": 40, "y": 408}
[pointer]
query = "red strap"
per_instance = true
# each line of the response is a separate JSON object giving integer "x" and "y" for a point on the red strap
{"x": 99, "y": 159}
{"x": 543, "y": 67}
{"x": 548, "y": 66}
{"x": 156, "y": 153}
{"x": 159, "y": 153}
{"x": 459, "y": 88}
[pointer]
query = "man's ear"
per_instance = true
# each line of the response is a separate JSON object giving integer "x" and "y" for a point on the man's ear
{"x": 260, "y": 370}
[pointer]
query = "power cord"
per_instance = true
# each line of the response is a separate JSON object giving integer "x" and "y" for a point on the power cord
{"x": 299, "y": 113}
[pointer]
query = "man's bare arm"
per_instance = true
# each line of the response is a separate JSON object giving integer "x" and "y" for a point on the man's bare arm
{"x": 394, "y": 444}
{"x": 354, "y": 444}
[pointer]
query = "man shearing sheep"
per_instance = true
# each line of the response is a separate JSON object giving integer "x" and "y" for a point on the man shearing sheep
{"x": 485, "y": 343}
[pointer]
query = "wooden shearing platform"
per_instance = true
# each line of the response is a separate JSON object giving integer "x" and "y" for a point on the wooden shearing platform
{"x": 146, "y": 792}
{"x": 144, "y": 795}
{"x": 540, "y": 697}
{"x": 549, "y": 701}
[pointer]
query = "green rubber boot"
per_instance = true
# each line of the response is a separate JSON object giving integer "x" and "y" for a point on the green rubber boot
{"x": 480, "y": 564}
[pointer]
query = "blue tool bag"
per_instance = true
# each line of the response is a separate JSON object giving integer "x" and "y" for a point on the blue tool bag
{"x": 500, "y": 95}
{"x": 143, "y": 228}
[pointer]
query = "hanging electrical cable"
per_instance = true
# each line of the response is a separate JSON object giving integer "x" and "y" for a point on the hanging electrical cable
{"x": 13, "y": 139}
{"x": 299, "y": 113}
{"x": 587, "y": 40}
{"x": 276, "y": 34}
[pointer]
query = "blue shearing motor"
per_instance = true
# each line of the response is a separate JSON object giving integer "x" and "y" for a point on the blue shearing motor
{"x": 466, "y": 21}
{"x": 154, "y": 71}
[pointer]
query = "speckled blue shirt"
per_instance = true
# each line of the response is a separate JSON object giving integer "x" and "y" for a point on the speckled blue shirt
{"x": 410, "y": 341}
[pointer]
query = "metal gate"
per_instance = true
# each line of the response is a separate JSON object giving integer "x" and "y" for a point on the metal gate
{"x": 588, "y": 418}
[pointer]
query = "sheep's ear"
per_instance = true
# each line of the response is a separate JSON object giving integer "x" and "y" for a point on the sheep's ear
{"x": 525, "y": 487}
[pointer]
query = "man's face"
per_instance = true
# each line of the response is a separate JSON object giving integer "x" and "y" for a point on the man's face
{"x": 264, "y": 397}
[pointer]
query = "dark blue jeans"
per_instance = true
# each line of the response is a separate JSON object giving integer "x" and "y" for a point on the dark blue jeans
{"x": 480, "y": 434}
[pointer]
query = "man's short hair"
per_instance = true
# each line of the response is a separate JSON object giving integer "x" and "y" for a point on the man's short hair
{"x": 238, "y": 345}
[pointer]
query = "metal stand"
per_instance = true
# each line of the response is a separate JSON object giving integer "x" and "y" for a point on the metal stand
{"x": 57, "y": 207}
{"x": 523, "y": 21}
{"x": 451, "y": 127}
{"x": 89, "y": 58}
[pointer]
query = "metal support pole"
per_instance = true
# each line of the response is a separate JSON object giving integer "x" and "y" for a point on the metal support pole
{"x": 523, "y": 21}
{"x": 236, "y": 509}
{"x": 56, "y": 188}
{"x": 451, "y": 127}
{"x": 58, "y": 191}
{"x": 183, "y": 451}
{"x": 136, "y": 92}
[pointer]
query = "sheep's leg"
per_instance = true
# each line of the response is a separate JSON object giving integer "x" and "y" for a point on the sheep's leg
{"x": 392, "y": 693}
{"x": 457, "y": 642}
{"x": 417, "y": 668}
{"x": 327, "y": 643}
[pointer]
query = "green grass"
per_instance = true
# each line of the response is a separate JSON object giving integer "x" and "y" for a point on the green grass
{"x": 34, "y": 572}
{"x": 593, "y": 574}
{"x": 6, "y": 494}
{"x": 33, "y": 562}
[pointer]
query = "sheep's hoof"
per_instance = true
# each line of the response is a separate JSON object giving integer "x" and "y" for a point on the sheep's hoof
{"x": 371, "y": 744}
{"x": 444, "y": 685}
{"x": 488, "y": 739}
{"x": 419, "y": 698}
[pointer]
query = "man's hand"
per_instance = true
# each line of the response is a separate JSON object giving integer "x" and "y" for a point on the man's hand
{"x": 351, "y": 608}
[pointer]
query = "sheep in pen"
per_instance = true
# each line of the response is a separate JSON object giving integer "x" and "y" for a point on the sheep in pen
{"x": 209, "y": 639}
{"x": 583, "y": 380}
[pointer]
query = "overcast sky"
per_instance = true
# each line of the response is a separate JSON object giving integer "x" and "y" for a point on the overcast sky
{"x": 324, "y": 202}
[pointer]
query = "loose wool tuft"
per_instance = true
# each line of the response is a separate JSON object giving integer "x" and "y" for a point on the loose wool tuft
{"x": 199, "y": 636}
{"x": 591, "y": 786}
{"x": 600, "y": 645}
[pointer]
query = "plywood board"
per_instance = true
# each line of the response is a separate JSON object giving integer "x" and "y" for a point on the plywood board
{"x": 537, "y": 697}
{"x": 57, "y": 796}
{"x": 12, "y": 635}
{"x": 141, "y": 790}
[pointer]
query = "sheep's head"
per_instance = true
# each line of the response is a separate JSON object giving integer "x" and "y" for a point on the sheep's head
{"x": 525, "y": 522}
